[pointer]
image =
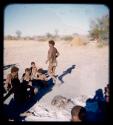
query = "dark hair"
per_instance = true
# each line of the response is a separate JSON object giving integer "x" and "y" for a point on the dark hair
{"x": 32, "y": 63}
{"x": 52, "y": 42}
{"x": 40, "y": 70}
{"x": 14, "y": 69}
{"x": 108, "y": 85}
{"x": 79, "y": 111}
{"x": 27, "y": 69}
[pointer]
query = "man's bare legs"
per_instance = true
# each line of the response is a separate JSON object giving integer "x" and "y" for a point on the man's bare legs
{"x": 53, "y": 70}
{"x": 50, "y": 70}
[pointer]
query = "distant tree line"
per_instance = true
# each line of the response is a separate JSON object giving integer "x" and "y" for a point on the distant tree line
{"x": 45, "y": 37}
{"x": 99, "y": 29}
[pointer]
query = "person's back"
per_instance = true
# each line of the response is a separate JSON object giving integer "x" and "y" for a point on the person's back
{"x": 52, "y": 53}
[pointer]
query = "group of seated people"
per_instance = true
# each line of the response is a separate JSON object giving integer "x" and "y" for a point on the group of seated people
{"x": 24, "y": 88}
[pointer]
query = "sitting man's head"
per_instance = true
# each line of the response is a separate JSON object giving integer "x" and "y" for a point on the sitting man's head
{"x": 78, "y": 113}
{"x": 14, "y": 70}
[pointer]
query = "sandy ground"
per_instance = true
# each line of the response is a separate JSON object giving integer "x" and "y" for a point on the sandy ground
{"x": 91, "y": 70}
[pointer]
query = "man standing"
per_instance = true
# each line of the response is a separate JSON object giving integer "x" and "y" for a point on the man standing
{"x": 52, "y": 55}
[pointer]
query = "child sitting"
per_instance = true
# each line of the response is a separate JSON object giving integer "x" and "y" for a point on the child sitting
{"x": 27, "y": 88}
{"x": 41, "y": 79}
{"x": 41, "y": 75}
{"x": 34, "y": 73}
{"x": 33, "y": 66}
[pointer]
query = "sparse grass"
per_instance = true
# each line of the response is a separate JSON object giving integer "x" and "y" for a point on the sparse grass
{"x": 85, "y": 43}
{"x": 101, "y": 44}
{"x": 67, "y": 38}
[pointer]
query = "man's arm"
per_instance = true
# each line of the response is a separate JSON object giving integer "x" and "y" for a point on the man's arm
{"x": 8, "y": 81}
{"x": 57, "y": 53}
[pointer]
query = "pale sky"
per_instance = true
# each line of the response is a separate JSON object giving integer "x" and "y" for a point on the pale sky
{"x": 39, "y": 19}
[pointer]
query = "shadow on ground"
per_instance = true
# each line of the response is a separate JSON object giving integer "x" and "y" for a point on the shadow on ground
{"x": 13, "y": 110}
{"x": 67, "y": 71}
{"x": 96, "y": 107}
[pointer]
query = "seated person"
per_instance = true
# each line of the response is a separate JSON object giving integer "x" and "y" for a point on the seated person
{"x": 41, "y": 75}
{"x": 78, "y": 114}
{"x": 27, "y": 84}
{"x": 40, "y": 80}
{"x": 12, "y": 82}
{"x": 26, "y": 77}
{"x": 34, "y": 73}
{"x": 107, "y": 100}
{"x": 107, "y": 89}
{"x": 12, "y": 79}
{"x": 33, "y": 65}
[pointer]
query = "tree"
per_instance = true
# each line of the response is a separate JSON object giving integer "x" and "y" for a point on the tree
{"x": 100, "y": 28}
{"x": 67, "y": 38}
{"x": 48, "y": 35}
{"x": 9, "y": 37}
{"x": 18, "y": 33}
{"x": 56, "y": 32}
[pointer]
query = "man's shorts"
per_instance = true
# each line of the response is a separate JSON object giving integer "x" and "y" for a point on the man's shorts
{"x": 52, "y": 64}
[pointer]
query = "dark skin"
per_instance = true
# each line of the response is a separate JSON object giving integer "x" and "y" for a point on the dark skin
{"x": 75, "y": 119}
{"x": 9, "y": 77}
{"x": 52, "y": 55}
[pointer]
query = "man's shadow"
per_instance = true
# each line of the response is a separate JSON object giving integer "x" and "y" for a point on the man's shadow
{"x": 69, "y": 70}
{"x": 96, "y": 107}
{"x": 13, "y": 109}
{"x": 44, "y": 90}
